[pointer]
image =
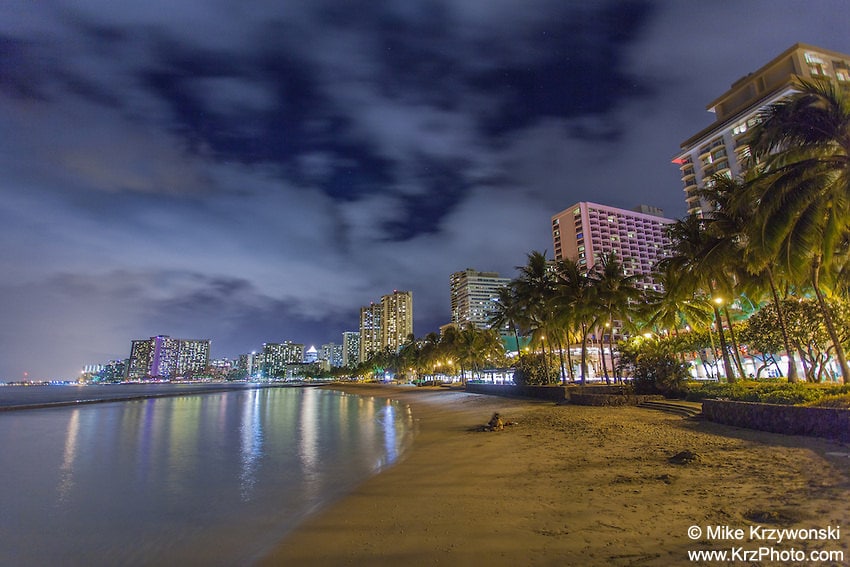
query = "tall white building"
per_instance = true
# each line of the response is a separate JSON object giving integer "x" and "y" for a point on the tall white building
{"x": 473, "y": 295}
{"x": 721, "y": 147}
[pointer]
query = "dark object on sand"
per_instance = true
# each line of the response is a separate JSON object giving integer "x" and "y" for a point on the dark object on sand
{"x": 684, "y": 458}
{"x": 495, "y": 423}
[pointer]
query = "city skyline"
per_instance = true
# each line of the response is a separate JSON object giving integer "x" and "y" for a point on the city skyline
{"x": 256, "y": 175}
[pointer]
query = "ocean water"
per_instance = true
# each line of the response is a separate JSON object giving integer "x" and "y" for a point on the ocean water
{"x": 210, "y": 479}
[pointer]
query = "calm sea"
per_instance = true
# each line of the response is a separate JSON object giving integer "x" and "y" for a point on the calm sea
{"x": 208, "y": 479}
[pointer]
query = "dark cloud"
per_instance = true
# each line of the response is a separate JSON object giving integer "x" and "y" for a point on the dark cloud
{"x": 200, "y": 169}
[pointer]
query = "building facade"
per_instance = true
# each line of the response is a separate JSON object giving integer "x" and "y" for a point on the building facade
{"x": 721, "y": 148}
{"x": 276, "y": 357}
{"x": 350, "y": 348}
{"x": 386, "y": 325}
{"x": 397, "y": 319}
{"x": 332, "y": 353}
{"x": 251, "y": 364}
{"x": 166, "y": 357}
{"x": 370, "y": 330}
{"x": 473, "y": 296}
{"x": 311, "y": 355}
{"x": 586, "y": 230}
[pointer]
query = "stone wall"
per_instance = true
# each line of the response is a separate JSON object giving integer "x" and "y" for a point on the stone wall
{"x": 555, "y": 393}
{"x": 830, "y": 423}
{"x": 608, "y": 400}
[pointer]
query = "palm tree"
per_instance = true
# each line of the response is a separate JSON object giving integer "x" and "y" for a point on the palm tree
{"x": 617, "y": 296}
{"x": 691, "y": 243}
{"x": 451, "y": 348}
{"x": 677, "y": 305}
{"x": 573, "y": 304}
{"x": 429, "y": 352}
{"x": 487, "y": 348}
{"x": 507, "y": 311}
{"x": 732, "y": 214}
{"x": 409, "y": 357}
{"x": 801, "y": 154}
{"x": 535, "y": 287}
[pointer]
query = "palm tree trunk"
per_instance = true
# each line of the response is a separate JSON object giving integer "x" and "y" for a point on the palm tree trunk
{"x": 681, "y": 353}
{"x": 545, "y": 359}
{"x": 830, "y": 326}
{"x": 570, "y": 357}
{"x": 561, "y": 356}
{"x": 611, "y": 351}
{"x": 727, "y": 365}
{"x": 602, "y": 356}
{"x": 780, "y": 314}
{"x": 583, "y": 354}
{"x": 735, "y": 350}
{"x": 516, "y": 338}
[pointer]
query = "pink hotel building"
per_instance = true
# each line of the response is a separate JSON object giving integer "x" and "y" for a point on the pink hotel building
{"x": 586, "y": 230}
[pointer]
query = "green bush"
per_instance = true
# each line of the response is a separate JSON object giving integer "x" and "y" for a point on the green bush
{"x": 531, "y": 371}
{"x": 772, "y": 392}
{"x": 654, "y": 367}
{"x": 660, "y": 374}
{"x": 837, "y": 401}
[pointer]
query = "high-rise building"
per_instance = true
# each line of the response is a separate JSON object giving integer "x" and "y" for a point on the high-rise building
{"x": 276, "y": 356}
{"x": 332, "y": 354}
{"x": 165, "y": 357}
{"x": 473, "y": 295}
{"x": 370, "y": 330}
{"x": 721, "y": 149}
{"x": 585, "y": 231}
{"x": 386, "y": 325}
{"x": 396, "y": 319}
{"x": 350, "y": 348}
{"x": 251, "y": 363}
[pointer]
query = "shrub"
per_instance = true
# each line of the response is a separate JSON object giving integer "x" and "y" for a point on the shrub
{"x": 772, "y": 392}
{"x": 838, "y": 401}
{"x": 531, "y": 371}
{"x": 654, "y": 367}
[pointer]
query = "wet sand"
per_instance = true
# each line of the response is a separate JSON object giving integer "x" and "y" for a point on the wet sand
{"x": 573, "y": 485}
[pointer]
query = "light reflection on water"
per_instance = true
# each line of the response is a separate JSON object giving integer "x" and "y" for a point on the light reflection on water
{"x": 211, "y": 479}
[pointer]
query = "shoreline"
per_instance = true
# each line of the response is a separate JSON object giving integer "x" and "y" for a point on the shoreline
{"x": 569, "y": 485}
{"x": 169, "y": 391}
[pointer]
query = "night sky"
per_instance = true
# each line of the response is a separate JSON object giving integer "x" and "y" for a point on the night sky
{"x": 254, "y": 172}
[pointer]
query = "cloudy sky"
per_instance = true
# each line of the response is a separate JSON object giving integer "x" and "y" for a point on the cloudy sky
{"x": 254, "y": 172}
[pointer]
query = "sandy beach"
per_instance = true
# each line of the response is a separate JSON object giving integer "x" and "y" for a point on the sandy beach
{"x": 573, "y": 485}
